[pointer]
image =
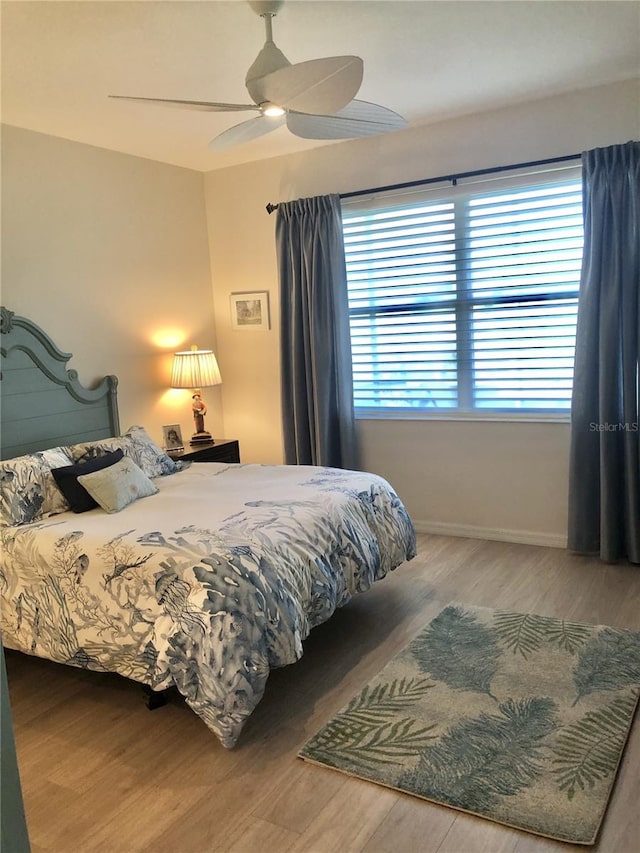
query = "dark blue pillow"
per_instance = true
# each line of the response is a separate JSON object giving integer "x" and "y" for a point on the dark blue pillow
{"x": 66, "y": 479}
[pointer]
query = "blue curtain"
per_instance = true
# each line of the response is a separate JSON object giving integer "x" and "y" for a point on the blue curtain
{"x": 317, "y": 390}
{"x": 604, "y": 484}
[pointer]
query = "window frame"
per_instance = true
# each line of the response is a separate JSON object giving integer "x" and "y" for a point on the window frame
{"x": 459, "y": 192}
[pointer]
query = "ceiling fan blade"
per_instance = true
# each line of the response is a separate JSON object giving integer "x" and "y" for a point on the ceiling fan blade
{"x": 206, "y": 106}
{"x": 245, "y": 132}
{"x": 319, "y": 86}
{"x": 359, "y": 118}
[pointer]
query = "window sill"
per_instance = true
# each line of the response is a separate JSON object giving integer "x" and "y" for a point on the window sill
{"x": 489, "y": 417}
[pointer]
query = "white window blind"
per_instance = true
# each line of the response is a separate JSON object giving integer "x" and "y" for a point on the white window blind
{"x": 466, "y": 302}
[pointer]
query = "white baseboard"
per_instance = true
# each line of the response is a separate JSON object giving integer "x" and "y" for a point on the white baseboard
{"x": 469, "y": 531}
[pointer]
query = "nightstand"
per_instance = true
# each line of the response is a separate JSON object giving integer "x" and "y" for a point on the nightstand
{"x": 223, "y": 450}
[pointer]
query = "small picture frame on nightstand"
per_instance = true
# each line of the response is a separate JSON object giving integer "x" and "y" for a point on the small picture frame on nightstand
{"x": 172, "y": 437}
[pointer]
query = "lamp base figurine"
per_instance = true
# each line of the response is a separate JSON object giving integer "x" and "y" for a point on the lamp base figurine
{"x": 200, "y": 436}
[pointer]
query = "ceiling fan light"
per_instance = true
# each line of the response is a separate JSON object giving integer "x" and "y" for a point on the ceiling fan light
{"x": 272, "y": 110}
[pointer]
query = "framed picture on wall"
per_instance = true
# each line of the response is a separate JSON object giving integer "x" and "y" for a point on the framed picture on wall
{"x": 250, "y": 311}
{"x": 172, "y": 437}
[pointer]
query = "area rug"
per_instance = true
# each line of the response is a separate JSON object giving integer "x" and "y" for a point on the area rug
{"x": 514, "y": 717}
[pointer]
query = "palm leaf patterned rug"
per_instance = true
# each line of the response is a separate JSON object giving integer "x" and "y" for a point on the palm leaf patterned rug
{"x": 518, "y": 718}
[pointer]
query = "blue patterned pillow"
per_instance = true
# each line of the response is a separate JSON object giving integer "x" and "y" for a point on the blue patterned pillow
{"x": 117, "y": 486}
{"x": 137, "y": 444}
{"x": 28, "y": 491}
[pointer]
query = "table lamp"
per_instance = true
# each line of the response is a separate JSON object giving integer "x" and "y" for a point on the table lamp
{"x": 196, "y": 369}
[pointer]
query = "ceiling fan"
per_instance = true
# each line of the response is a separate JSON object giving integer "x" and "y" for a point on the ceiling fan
{"x": 315, "y": 99}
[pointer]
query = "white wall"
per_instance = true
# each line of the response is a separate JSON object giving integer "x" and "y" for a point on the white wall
{"x": 108, "y": 251}
{"x": 506, "y": 480}
{"x": 109, "y": 254}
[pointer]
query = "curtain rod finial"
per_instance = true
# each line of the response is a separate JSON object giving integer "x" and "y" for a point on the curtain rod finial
{"x": 271, "y": 208}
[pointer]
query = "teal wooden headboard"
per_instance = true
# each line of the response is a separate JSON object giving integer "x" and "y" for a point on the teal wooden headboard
{"x": 42, "y": 403}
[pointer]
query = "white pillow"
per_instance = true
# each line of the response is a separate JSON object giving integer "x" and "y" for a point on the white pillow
{"x": 117, "y": 486}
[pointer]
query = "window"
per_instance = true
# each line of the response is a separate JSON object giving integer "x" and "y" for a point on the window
{"x": 466, "y": 302}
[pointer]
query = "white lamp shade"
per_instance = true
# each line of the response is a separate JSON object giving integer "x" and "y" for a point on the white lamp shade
{"x": 196, "y": 368}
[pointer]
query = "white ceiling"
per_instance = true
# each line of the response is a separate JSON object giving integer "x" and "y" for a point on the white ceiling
{"x": 426, "y": 60}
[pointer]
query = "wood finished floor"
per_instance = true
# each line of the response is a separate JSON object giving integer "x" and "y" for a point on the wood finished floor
{"x": 102, "y": 773}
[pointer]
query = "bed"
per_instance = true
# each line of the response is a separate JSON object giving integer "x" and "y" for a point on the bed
{"x": 207, "y": 577}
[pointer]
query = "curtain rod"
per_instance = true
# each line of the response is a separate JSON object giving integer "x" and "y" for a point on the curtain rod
{"x": 453, "y": 178}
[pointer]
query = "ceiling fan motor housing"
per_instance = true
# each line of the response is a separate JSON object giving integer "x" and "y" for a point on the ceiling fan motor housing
{"x": 270, "y": 58}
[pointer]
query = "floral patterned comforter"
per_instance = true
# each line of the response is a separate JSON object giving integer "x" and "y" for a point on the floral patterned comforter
{"x": 206, "y": 585}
